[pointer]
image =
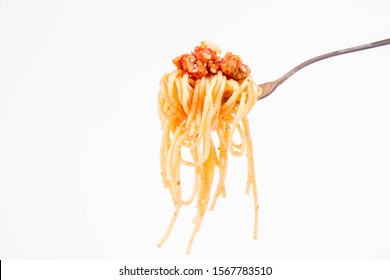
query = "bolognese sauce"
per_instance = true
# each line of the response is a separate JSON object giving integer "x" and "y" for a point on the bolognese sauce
{"x": 204, "y": 60}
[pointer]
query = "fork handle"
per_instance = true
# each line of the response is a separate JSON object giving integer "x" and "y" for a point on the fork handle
{"x": 268, "y": 88}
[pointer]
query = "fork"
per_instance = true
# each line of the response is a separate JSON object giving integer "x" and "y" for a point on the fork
{"x": 269, "y": 87}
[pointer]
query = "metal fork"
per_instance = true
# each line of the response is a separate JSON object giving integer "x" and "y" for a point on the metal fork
{"x": 269, "y": 87}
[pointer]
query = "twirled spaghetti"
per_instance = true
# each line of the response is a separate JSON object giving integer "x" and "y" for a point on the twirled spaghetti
{"x": 206, "y": 95}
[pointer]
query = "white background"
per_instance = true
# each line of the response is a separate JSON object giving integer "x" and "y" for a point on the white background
{"x": 80, "y": 134}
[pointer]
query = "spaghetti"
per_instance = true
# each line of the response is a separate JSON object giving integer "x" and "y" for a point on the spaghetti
{"x": 205, "y": 95}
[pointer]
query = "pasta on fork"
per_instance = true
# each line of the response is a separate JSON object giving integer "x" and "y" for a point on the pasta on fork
{"x": 206, "y": 94}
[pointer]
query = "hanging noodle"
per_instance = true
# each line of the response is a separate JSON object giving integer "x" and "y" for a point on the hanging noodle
{"x": 206, "y": 94}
